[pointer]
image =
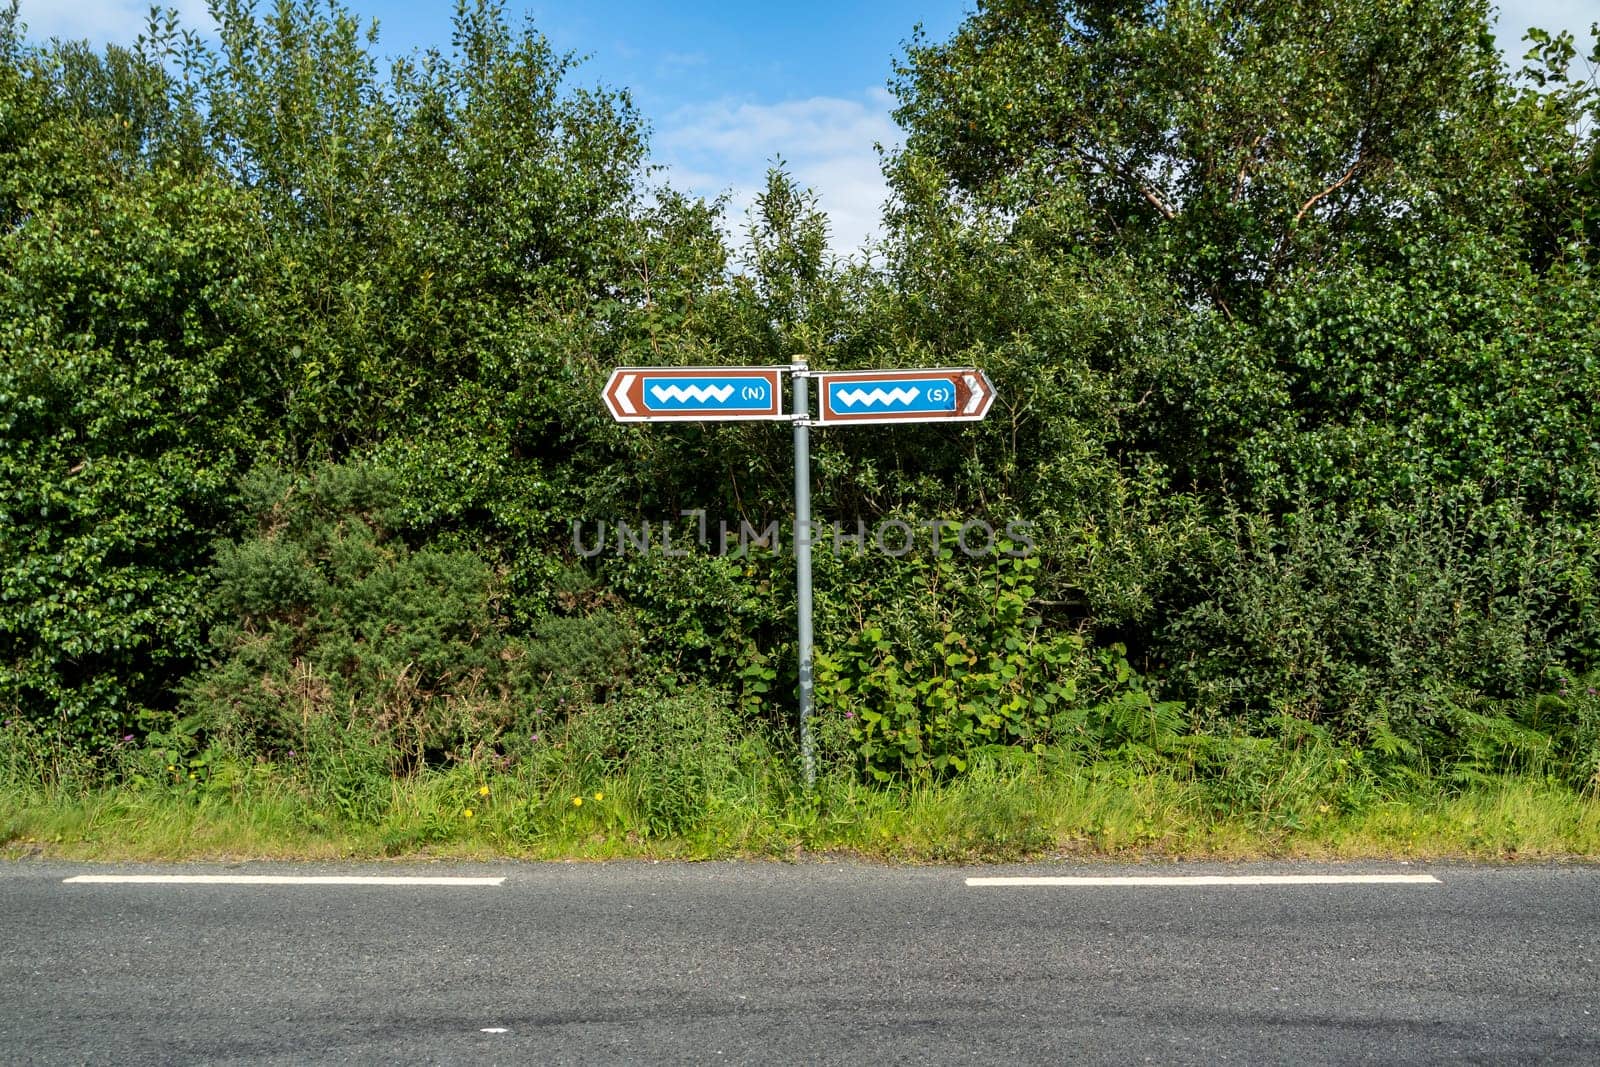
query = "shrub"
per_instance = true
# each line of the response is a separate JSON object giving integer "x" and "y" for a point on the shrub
{"x": 1393, "y": 616}
{"x": 332, "y": 619}
{"x": 681, "y": 754}
{"x": 972, "y": 669}
{"x": 1555, "y": 732}
{"x": 122, "y": 425}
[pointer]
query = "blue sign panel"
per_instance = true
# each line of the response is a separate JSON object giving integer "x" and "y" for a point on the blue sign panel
{"x": 722, "y": 393}
{"x": 887, "y": 396}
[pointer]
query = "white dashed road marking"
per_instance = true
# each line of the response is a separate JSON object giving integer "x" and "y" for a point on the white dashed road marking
{"x": 271, "y": 879}
{"x": 1212, "y": 879}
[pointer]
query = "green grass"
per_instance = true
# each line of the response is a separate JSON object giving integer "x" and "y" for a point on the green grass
{"x": 1002, "y": 810}
{"x": 682, "y": 776}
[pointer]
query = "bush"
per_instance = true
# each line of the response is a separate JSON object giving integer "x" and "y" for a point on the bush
{"x": 1554, "y": 733}
{"x": 333, "y": 622}
{"x": 681, "y": 754}
{"x": 1387, "y": 618}
{"x": 970, "y": 668}
{"x": 1287, "y": 771}
{"x": 122, "y": 427}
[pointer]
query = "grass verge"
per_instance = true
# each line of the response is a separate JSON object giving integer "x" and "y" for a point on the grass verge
{"x": 1002, "y": 810}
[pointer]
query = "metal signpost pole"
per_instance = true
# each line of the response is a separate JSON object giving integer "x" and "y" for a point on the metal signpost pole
{"x": 802, "y": 559}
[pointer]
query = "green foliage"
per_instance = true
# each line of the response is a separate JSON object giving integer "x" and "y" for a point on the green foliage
{"x": 1572, "y": 720}
{"x": 1396, "y": 617}
{"x": 34, "y": 762}
{"x": 1445, "y": 370}
{"x": 1290, "y": 774}
{"x": 679, "y": 754}
{"x": 1223, "y": 267}
{"x": 1229, "y": 145}
{"x": 1554, "y": 733}
{"x": 582, "y": 658}
{"x": 1290, "y": 308}
{"x": 1558, "y": 100}
{"x": 975, "y": 670}
{"x": 126, "y": 398}
{"x": 709, "y": 602}
{"x": 334, "y": 624}
{"x": 266, "y": 252}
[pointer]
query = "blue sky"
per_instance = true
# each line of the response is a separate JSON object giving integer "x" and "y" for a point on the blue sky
{"x": 726, "y": 86}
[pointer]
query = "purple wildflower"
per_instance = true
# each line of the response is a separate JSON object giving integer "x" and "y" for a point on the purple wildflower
{"x": 849, "y": 714}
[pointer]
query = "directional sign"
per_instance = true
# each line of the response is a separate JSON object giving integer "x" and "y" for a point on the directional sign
{"x": 650, "y": 394}
{"x": 720, "y": 394}
{"x": 961, "y": 394}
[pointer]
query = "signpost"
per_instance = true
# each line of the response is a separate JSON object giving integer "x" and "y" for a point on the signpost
{"x": 658, "y": 394}
{"x": 960, "y": 395}
{"x": 742, "y": 394}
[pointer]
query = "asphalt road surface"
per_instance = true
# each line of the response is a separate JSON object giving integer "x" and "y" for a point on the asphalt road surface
{"x": 798, "y": 963}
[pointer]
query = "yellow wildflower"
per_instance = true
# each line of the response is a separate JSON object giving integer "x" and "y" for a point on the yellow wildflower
{"x": 599, "y": 796}
{"x": 483, "y": 790}
{"x": 467, "y": 812}
{"x": 577, "y": 802}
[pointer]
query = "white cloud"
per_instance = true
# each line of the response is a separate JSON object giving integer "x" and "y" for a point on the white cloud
{"x": 827, "y": 143}
{"x": 682, "y": 60}
{"x": 104, "y": 21}
{"x": 1575, "y": 16}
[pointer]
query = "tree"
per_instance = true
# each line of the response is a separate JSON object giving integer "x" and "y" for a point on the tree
{"x": 1321, "y": 262}
{"x": 269, "y": 253}
{"x": 126, "y": 399}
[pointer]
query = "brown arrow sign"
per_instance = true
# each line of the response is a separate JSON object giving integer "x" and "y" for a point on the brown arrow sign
{"x": 949, "y": 394}
{"x": 707, "y": 394}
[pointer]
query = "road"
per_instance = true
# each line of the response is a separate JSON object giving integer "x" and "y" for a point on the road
{"x": 824, "y": 962}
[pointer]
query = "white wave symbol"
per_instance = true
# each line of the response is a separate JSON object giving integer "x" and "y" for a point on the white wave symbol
{"x": 850, "y": 397}
{"x": 702, "y": 393}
